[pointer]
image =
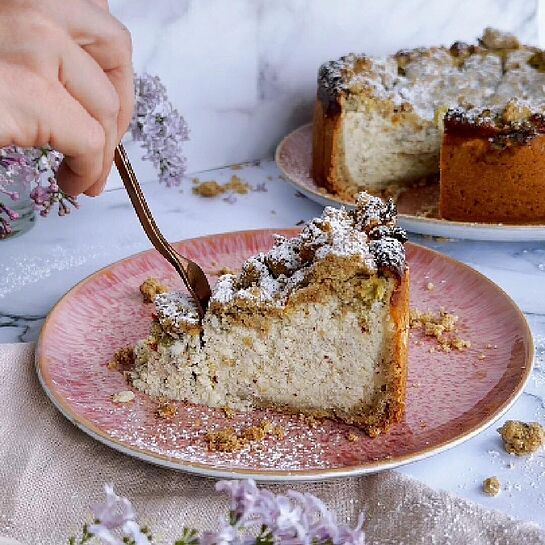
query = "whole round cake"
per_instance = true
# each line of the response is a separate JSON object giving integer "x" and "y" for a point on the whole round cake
{"x": 474, "y": 114}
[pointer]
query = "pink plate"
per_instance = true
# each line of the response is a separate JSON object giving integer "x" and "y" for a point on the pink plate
{"x": 451, "y": 396}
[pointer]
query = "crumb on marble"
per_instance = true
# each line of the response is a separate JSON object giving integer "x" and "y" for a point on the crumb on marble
{"x": 150, "y": 288}
{"x": 522, "y": 438}
{"x": 491, "y": 486}
{"x": 211, "y": 188}
{"x": 430, "y": 286}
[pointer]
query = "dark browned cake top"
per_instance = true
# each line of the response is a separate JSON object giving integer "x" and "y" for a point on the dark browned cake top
{"x": 514, "y": 124}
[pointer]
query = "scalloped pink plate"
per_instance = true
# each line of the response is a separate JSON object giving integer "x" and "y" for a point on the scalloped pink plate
{"x": 450, "y": 398}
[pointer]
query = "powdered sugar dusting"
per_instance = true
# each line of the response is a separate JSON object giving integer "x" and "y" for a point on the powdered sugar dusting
{"x": 428, "y": 80}
{"x": 368, "y": 235}
{"x": 176, "y": 312}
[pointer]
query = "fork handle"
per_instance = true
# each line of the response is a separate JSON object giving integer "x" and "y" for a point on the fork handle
{"x": 143, "y": 212}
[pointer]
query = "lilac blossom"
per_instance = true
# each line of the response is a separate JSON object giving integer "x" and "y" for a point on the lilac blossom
{"x": 116, "y": 516}
{"x": 160, "y": 129}
{"x": 256, "y": 517}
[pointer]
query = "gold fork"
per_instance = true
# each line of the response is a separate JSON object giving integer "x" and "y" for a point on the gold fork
{"x": 192, "y": 275}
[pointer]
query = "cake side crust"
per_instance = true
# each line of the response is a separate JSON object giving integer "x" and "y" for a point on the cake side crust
{"x": 483, "y": 183}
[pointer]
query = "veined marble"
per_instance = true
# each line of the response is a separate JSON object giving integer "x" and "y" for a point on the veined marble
{"x": 39, "y": 267}
{"x": 243, "y": 72}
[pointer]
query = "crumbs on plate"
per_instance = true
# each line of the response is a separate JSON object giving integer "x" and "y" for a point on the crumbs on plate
{"x": 150, "y": 288}
{"x": 441, "y": 326}
{"x": 231, "y": 440}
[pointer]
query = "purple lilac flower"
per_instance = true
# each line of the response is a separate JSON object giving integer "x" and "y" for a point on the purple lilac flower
{"x": 257, "y": 516}
{"x": 160, "y": 129}
{"x": 6, "y": 216}
{"x": 116, "y": 514}
{"x": 32, "y": 166}
{"x": 45, "y": 198}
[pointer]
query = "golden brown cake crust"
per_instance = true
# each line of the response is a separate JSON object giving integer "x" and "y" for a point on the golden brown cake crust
{"x": 325, "y": 149}
{"x": 485, "y": 184}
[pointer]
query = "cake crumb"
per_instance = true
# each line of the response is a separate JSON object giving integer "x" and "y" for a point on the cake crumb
{"x": 228, "y": 412}
{"x": 225, "y": 440}
{"x": 229, "y": 440}
{"x": 166, "y": 410}
{"x": 481, "y": 356}
{"x": 150, "y": 288}
{"x": 123, "y": 397}
{"x": 208, "y": 189}
{"x": 211, "y": 188}
{"x": 237, "y": 185}
{"x": 225, "y": 270}
{"x": 430, "y": 286}
{"x": 352, "y": 437}
{"x": 123, "y": 359}
{"x": 279, "y": 432}
{"x": 441, "y": 326}
{"x": 254, "y": 433}
{"x": 521, "y": 438}
{"x": 491, "y": 486}
{"x": 309, "y": 419}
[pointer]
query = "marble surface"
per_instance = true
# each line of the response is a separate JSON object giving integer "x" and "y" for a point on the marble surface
{"x": 39, "y": 267}
{"x": 237, "y": 67}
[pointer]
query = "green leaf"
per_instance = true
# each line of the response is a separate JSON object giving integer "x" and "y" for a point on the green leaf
{"x": 190, "y": 536}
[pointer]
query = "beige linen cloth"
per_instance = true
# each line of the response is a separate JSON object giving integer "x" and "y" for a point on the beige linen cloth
{"x": 50, "y": 473}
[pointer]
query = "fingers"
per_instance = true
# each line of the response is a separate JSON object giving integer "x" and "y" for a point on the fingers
{"x": 50, "y": 115}
{"x": 89, "y": 85}
{"x": 108, "y": 42}
{"x": 81, "y": 97}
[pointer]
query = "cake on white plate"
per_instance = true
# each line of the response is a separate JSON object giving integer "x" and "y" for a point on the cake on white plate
{"x": 318, "y": 325}
{"x": 471, "y": 114}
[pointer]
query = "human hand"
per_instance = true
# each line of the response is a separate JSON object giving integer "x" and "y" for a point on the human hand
{"x": 66, "y": 80}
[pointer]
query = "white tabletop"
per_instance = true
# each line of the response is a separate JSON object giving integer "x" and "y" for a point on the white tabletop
{"x": 37, "y": 268}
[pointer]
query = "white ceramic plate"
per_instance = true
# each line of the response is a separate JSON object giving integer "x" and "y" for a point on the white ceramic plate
{"x": 294, "y": 155}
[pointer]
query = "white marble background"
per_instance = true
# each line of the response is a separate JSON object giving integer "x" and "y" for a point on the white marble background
{"x": 243, "y": 71}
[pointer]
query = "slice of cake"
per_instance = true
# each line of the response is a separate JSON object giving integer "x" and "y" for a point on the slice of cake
{"x": 493, "y": 165}
{"x": 378, "y": 121}
{"x": 318, "y": 325}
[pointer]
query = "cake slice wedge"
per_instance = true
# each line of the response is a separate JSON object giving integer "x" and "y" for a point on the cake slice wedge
{"x": 317, "y": 325}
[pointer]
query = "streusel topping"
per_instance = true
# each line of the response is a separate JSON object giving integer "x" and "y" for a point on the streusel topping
{"x": 176, "y": 313}
{"x": 425, "y": 80}
{"x": 368, "y": 235}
